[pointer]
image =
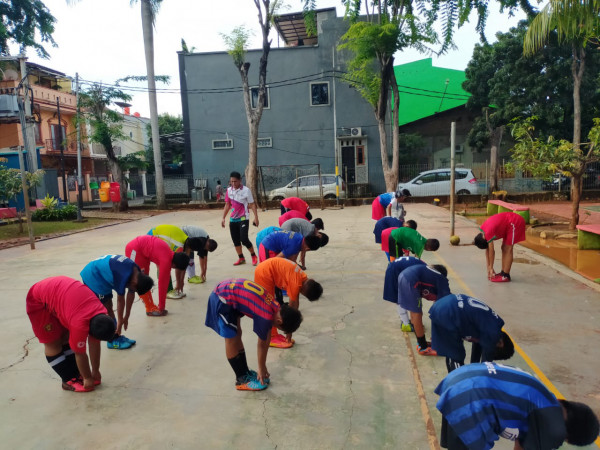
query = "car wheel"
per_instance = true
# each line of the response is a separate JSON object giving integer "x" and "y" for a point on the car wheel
{"x": 463, "y": 192}
{"x": 330, "y": 197}
{"x": 278, "y": 198}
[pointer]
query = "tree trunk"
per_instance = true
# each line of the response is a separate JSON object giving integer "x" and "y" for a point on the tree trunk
{"x": 395, "y": 169}
{"x": 386, "y": 72}
{"x": 496, "y": 139}
{"x": 251, "y": 168}
{"x": 577, "y": 68}
{"x": 147, "y": 25}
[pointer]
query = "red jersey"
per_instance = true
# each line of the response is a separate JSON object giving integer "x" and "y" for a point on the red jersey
{"x": 292, "y": 214}
{"x": 295, "y": 204}
{"x": 146, "y": 249}
{"x": 71, "y": 302}
{"x": 508, "y": 226}
{"x": 281, "y": 273}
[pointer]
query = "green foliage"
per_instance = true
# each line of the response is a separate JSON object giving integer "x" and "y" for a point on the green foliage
{"x": 544, "y": 156}
{"x": 184, "y": 47}
{"x": 520, "y": 86}
{"x": 411, "y": 148}
{"x": 135, "y": 160}
{"x": 26, "y": 22}
{"x": 160, "y": 78}
{"x": 167, "y": 124}
{"x": 10, "y": 181}
{"x": 237, "y": 43}
{"x": 49, "y": 202}
{"x": 67, "y": 212}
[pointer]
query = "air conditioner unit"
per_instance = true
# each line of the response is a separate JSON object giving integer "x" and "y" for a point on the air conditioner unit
{"x": 356, "y": 131}
{"x": 458, "y": 148}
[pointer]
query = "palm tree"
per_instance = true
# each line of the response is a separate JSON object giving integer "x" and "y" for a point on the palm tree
{"x": 149, "y": 11}
{"x": 576, "y": 22}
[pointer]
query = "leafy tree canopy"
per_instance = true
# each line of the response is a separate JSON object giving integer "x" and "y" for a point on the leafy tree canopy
{"x": 512, "y": 85}
{"x": 26, "y": 23}
{"x": 10, "y": 181}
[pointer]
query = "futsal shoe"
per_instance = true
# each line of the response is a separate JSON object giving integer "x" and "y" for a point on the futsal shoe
{"x": 75, "y": 385}
{"x": 125, "y": 338}
{"x": 120, "y": 343}
{"x": 426, "y": 351}
{"x": 239, "y": 262}
{"x": 408, "y": 327}
{"x": 255, "y": 376}
{"x": 254, "y": 260}
{"x": 500, "y": 278}
{"x": 195, "y": 280}
{"x": 249, "y": 383}
{"x": 175, "y": 295}
{"x": 155, "y": 312}
{"x": 279, "y": 341}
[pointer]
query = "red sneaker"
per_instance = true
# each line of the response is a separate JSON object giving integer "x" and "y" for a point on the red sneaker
{"x": 239, "y": 262}
{"x": 426, "y": 351}
{"x": 254, "y": 260}
{"x": 75, "y": 385}
{"x": 500, "y": 278}
{"x": 279, "y": 341}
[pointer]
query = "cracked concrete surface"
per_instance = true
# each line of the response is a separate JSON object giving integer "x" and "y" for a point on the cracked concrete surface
{"x": 347, "y": 383}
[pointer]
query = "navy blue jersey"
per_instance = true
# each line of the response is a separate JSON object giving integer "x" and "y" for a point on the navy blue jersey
{"x": 390, "y": 285}
{"x": 286, "y": 242}
{"x": 420, "y": 281}
{"x": 108, "y": 273}
{"x": 485, "y": 401}
{"x": 382, "y": 224}
{"x": 458, "y": 317}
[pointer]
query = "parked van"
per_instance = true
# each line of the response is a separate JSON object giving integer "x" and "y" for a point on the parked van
{"x": 437, "y": 182}
{"x": 307, "y": 187}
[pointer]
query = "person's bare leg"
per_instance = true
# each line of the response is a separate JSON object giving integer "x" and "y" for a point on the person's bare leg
{"x": 238, "y": 249}
{"x": 507, "y": 258}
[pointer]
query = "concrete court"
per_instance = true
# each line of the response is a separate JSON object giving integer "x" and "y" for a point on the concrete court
{"x": 351, "y": 381}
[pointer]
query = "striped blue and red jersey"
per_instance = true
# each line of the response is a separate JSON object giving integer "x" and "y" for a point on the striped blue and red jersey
{"x": 251, "y": 300}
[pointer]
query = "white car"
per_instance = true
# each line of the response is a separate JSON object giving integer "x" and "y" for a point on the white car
{"x": 307, "y": 187}
{"x": 437, "y": 182}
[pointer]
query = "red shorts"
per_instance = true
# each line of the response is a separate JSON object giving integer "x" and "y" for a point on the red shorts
{"x": 377, "y": 211}
{"x": 264, "y": 254}
{"x": 385, "y": 236}
{"x": 46, "y": 327}
{"x": 515, "y": 232}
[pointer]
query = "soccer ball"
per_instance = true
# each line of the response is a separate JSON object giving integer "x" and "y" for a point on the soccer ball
{"x": 454, "y": 240}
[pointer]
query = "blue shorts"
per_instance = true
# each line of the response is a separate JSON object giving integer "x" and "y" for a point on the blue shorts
{"x": 221, "y": 317}
{"x": 104, "y": 298}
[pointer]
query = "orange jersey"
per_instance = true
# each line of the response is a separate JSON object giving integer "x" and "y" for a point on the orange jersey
{"x": 281, "y": 273}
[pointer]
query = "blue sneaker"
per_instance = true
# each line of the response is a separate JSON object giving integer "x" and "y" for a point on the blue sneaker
{"x": 119, "y": 343}
{"x": 131, "y": 341}
{"x": 255, "y": 376}
{"x": 248, "y": 383}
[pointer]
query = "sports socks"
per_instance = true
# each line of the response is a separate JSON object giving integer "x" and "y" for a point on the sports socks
{"x": 64, "y": 364}
{"x": 422, "y": 342}
{"x": 239, "y": 364}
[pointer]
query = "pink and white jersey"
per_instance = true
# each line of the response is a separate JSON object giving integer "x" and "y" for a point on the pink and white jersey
{"x": 239, "y": 200}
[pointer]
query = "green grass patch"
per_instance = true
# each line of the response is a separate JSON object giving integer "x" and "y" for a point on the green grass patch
{"x": 11, "y": 231}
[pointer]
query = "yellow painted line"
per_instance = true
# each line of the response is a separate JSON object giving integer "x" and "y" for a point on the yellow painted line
{"x": 431, "y": 435}
{"x": 534, "y": 367}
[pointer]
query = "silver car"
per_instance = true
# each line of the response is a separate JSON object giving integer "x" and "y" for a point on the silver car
{"x": 437, "y": 182}
{"x": 307, "y": 187}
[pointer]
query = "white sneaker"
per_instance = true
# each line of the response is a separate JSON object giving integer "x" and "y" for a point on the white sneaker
{"x": 176, "y": 295}
{"x": 183, "y": 294}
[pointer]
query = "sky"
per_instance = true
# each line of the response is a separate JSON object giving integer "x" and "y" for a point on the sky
{"x": 102, "y": 40}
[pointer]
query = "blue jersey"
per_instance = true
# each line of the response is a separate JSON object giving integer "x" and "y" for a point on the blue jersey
{"x": 382, "y": 224}
{"x": 458, "y": 317}
{"x": 108, "y": 273}
{"x": 420, "y": 281}
{"x": 390, "y": 285}
{"x": 485, "y": 401}
{"x": 386, "y": 199}
{"x": 286, "y": 242}
{"x": 262, "y": 234}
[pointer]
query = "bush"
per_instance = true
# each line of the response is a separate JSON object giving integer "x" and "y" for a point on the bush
{"x": 67, "y": 212}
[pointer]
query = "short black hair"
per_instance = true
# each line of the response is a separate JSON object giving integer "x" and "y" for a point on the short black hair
{"x": 313, "y": 290}
{"x": 181, "y": 260}
{"x": 581, "y": 422}
{"x": 507, "y": 350}
{"x": 432, "y": 245}
{"x": 405, "y": 192}
{"x": 312, "y": 242}
{"x": 318, "y": 223}
{"x": 212, "y": 245}
{"x": 308, "y": 215}
{"x": 411, "y": 224}
{"x": 441, "y": 269}
{"x": 102, "y": 327}
{"x": 480, "y": 241}
{"x": 236, "y": 175}
{"x": 144, "y": 283}
{"x": 290, "y": 318}
{"x": 194, "y": 243}
{"x": 324, "y": 239}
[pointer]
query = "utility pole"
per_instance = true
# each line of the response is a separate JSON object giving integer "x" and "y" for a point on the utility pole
{"x": 28, "y": 130}
{"x": 452, "y": 175}
{"x": 23, "y": 119}
{"x": 62, "y": 152}
{"x": 79, "y": 173}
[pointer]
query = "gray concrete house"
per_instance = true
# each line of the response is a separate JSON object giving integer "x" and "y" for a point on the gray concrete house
{"x": 311, "y": 116}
